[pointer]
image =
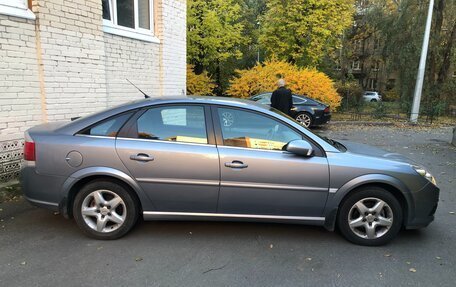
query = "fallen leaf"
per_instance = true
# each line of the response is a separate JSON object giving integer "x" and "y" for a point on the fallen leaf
{"x": 387, "y": 255}
{"x": 99, "y": 247}
{"x": 451, "y": 212}
{"x": 137, "y": 259}
{"x": 23, "y": 263}
{"x": 309, "y": 259}
{"x": 438, "y": 257}
{"x": 271, "y": 246}
{"x": 408, "y": 262}
{"x": 412, "y": 270}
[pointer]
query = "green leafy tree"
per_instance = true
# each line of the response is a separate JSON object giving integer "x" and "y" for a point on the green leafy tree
{"x": 401, "y": 23}
{"x": 214, "y": 35}
{"x": 304, "y": 31}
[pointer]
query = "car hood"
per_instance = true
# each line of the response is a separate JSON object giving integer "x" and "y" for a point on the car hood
{"x": 363, "y": 149}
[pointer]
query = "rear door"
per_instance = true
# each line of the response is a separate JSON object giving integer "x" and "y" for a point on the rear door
{"x": 171, "y": 154}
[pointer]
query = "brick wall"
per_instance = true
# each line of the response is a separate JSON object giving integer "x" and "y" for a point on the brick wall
{"x": 63, "y": 65}
{"x": 20, "y": 105}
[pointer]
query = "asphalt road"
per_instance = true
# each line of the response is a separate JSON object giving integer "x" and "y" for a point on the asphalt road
{"x": 38, "y": 248}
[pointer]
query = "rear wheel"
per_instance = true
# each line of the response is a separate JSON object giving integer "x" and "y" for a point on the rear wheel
{"x": 304, "y": 119}
{"x": 370, "y": 216}
{"x": 105, "y": 210}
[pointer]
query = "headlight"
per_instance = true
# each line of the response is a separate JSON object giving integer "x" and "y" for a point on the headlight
{"x": 421, "y": 171}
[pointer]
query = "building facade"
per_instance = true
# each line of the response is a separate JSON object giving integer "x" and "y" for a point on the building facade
{"x": 63, "y": 59}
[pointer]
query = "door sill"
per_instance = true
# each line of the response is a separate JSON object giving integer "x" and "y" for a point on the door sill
{"x": 161, "y": 215}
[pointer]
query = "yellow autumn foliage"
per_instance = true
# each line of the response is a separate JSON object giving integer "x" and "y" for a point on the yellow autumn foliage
{"x": 301, "y": 81}
{"x": 201, "y": 85}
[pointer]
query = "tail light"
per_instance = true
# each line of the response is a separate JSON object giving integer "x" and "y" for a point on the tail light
{"x": 29, "y": 151}
{"x": 326, "y": 110}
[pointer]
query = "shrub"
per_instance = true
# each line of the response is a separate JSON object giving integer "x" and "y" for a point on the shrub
{"x": 352, "y": 95}
{"x": 391, "y": 96}
{"x": 303, "y": 81}
{"x": 201, "y": 84}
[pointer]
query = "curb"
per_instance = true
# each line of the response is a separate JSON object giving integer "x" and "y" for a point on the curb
{"x": 361, "y": 123}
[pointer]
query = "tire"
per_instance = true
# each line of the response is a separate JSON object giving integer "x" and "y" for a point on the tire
{"x": 373, "y": 101}
{"x": 304, "y": 119}
{"x": 108, "y": 217}
{"x": 381, "y": 224}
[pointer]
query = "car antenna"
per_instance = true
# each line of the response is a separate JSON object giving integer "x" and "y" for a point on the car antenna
{"x": 145, "y": 95}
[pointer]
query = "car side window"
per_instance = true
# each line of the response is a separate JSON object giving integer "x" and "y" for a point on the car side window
{"x": 174, "y": 123}
{"x": 251, "y": 130}
{"x": 109, "y": 127}
{"x": 297, "y": 100}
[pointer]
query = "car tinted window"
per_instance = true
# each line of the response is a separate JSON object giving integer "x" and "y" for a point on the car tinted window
{"x": 109, "y": 127}
{"x": 251, "y": 130}
{"x": 174, "y": 123}
{"x": 298, "y": 100}
{"x": 264, "y": 99}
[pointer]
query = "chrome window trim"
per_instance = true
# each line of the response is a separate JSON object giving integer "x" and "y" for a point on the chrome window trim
{"x": 94, "y": 136}
{"x": 256, "y": 149}
{"x": 162, "y": 141}
{"x": 229, "y": 215}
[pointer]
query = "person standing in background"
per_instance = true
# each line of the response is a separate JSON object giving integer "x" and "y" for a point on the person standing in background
{"x": 281, "y": 98}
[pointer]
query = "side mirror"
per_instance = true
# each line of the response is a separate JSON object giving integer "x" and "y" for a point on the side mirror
{"x": 299, "y": 147}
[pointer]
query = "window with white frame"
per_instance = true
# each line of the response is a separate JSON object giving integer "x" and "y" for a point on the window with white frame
{"x": 17, "y": 8}
{"x": 129, "y": 18}
{"x": 356, "y": 65}
{"x": 375, "y": 66}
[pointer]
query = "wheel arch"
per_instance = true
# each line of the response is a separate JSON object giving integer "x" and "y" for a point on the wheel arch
{"x": 74, "y": 183}
{"x": 389, "y": 183}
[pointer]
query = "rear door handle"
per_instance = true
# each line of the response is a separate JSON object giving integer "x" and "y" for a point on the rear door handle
{"x": 236, "y": 164}
{"x": 141, "y": 157}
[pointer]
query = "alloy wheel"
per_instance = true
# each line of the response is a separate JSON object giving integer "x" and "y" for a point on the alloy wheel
{"x": 304, "y": 119}
{"x": 103, "y": 211}
{"x": 370, "y": 218}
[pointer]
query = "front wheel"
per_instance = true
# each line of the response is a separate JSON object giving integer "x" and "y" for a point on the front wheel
{"x": 105, "y": 210}
{"x": 304, "y": 119}
{"x": 370, "y": 216}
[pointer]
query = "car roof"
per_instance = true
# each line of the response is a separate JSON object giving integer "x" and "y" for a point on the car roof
{"x": 81, "y": 123}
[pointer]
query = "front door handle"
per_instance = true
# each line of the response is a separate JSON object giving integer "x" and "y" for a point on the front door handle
{"x": 236, "y": 164}
{"x": 141, "y": 157}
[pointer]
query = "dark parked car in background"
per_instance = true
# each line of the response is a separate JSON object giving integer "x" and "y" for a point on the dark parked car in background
{"x": 306, "y": 111}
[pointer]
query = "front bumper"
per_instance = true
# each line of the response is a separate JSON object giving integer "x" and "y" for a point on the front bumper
{"x": 424, "y": 207}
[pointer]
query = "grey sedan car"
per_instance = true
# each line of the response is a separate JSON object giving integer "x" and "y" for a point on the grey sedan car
{"x": 213, "y": 158}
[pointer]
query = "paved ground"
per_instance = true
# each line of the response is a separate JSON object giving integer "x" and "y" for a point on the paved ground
{"x": 38, "y": 248}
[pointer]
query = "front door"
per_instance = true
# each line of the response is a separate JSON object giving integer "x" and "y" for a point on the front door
{"x": 171, "y": 158}
{"x": 257, "y": 177}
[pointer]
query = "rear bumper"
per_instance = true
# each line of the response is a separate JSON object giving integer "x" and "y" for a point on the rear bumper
{"x": 321, "y": 120}
{"x": 41, "y": 190}
{"x": 425, "y": 204}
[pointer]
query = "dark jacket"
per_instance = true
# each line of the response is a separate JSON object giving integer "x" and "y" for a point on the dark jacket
{"x": 281, "y": 99}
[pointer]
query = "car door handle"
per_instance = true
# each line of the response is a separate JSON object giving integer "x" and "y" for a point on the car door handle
{"x": 141, "y": 157}
{"x": 236, "y": 164}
